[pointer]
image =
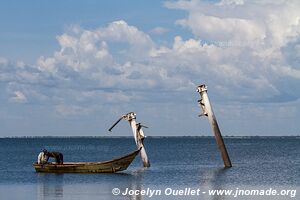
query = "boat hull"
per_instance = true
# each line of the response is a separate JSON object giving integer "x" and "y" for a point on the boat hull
{"x": 111, "y": 166}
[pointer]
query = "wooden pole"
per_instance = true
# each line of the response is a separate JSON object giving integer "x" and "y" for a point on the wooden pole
{"x": 208, "y": 111}
{"x": 138, "y": 137}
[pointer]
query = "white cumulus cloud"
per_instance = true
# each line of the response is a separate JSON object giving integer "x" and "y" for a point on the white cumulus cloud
{"x": 244, "y": 52}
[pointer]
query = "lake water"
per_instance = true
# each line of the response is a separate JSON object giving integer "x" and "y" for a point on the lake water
{"x": 178, "y": 166}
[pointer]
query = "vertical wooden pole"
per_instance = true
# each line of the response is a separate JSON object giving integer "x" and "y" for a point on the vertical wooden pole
{"x": 138, "y": 137}
{"x": 208, "y": 111}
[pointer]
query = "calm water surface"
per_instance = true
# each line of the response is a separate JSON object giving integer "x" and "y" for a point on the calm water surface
{"x": 176, "y": 163}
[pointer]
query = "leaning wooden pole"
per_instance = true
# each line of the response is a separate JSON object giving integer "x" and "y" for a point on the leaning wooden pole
{"x": 138, "y": 137}
{"x": 208, "y": 111}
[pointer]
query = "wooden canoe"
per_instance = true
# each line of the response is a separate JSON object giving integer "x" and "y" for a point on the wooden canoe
{"x": 111, "y": 166}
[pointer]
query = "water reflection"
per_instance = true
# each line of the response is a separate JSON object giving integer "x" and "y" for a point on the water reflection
{"x": 50, "y": 186}
{"x": 215, "y": 179}
{"x": 134, "y": 182}
{"x": 137, "y": 183}
{"x": 53, "y": 186}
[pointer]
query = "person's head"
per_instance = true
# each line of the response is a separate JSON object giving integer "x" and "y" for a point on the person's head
{"x": 45, "y": 151}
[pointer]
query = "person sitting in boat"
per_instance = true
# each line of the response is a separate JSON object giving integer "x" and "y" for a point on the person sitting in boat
{"x": 59, "y": 158}
{"x": 42, "y": 157}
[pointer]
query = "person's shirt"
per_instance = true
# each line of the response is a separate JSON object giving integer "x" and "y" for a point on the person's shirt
{"x": 42, "y": 158}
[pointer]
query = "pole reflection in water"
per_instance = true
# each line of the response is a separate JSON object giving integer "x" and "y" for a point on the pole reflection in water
{"x": 214, "y": 180}
{"x": 137, "y": 183}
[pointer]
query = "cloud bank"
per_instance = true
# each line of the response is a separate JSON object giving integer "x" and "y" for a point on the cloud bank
{"x": 245, "y": 51}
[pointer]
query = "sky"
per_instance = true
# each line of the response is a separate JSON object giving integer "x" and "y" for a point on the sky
{"x": 72, "y": 68}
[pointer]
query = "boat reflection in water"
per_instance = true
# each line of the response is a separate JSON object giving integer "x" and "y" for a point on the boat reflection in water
{"x": 50, "y": 186}
{"x": 80, "y": 186}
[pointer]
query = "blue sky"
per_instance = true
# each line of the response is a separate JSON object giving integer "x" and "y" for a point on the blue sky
{"x": 73, "y": 67}
{"x": 34, "y": 24}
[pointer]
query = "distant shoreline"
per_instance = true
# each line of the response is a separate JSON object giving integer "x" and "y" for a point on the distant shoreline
{"x": 154, "y": 137}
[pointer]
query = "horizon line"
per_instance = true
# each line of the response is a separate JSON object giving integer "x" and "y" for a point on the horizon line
{"x": 159, "y": 136}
